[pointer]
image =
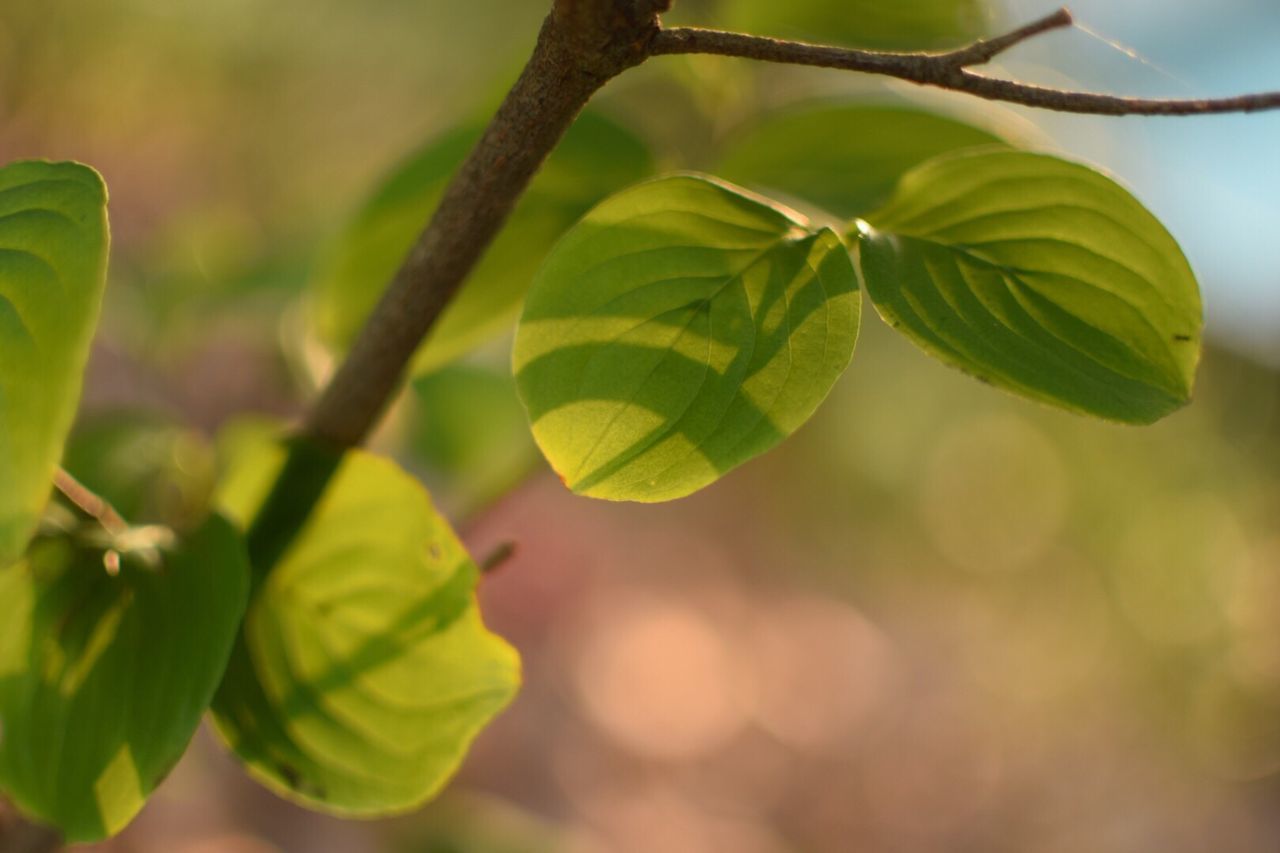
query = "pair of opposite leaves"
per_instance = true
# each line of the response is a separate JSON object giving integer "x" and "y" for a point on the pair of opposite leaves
{"x": 685, "y": 325}
{"x": 353, "y": 679}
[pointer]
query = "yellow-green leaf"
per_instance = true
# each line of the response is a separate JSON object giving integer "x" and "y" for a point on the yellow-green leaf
{"x": 364, "y": 670}
{"x": 681, "y": 328}
{"x": 53, "y": 258}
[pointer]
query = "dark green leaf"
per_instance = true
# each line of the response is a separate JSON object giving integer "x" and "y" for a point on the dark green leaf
{"x": 364, "y": 670}
{"x": 595, "y": 158}
{"x": 846, "y": 159}
{"x": 1041, "y": 276}
{"x": 53, "y": 257}
{"x": 103, "y": 679}
{"x": 680, "y": 329}
{"x": 468, "y": 427}
{"x": 149, "y": 468}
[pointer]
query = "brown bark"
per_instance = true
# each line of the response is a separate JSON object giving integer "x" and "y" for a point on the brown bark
{"x": 583, "y": 43}
{"x": 950, "y": 70}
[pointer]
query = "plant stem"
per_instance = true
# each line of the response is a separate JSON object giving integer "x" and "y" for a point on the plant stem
{"x": 89, "y": 503}
{"x": 950, "y": 70}
{"x": 498, "y": 557}
{"x": 583, "y": 44}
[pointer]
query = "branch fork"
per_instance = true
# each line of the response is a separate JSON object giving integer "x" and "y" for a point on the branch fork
{"x": 583, "y": 44}
{"x": 951, "y": 70}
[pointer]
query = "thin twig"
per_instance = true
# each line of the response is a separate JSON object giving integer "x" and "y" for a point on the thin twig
{"x": 950, "y": 70}
{"x": 498, "y": 557}
{"x": 985, "y": 50}
{"x": 582, "y": 45}
{"x": 90, "y": 504}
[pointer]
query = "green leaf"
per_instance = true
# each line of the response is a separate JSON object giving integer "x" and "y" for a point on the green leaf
{"x": 681, "y": 328}
{"x": 53, "y": 257}
{"x": 846, "y": 159}
{"x": 909, "y": 24}
{"x": 364, "y": 670}
{"x": 595, "y": 158}
{"x": 103, "y": 679}
{"x": 151, "y": 469}
{"x": 1040, "y": 276}
{"x": 467, "y": 426}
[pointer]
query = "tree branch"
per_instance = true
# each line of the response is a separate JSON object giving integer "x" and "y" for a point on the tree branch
{"x": 583, "y": 44}
{"x": 985, "y": 50}
{"x": 950, "y": 70}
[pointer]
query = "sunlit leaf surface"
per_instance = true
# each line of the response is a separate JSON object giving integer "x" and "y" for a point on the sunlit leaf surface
{"x": 364, "y": 670}
{"x": 677, "y": 331}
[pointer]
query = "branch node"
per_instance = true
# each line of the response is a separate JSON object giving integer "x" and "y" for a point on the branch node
{"x": 950, "y": 70}
{"x": 583, "y": 43}
{"x": 984, "y": 50}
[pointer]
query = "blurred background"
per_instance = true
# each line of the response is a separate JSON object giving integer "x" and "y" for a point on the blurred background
{"x": 938, "y": 618}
